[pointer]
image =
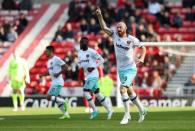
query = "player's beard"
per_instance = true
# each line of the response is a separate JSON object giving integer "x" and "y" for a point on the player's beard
{"x": 121, "y": 33}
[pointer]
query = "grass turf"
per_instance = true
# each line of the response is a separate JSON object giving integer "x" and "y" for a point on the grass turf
{"x": 46, "y": 119}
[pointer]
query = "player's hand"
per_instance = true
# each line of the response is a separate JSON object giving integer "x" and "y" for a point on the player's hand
{"x": 98, "y": 11}
{"x": 90, "y": 69}
{"x": 140, "y": 60}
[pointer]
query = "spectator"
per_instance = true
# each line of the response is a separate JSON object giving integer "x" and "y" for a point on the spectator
{"x": 157, "y": 83}
{"x": 108, "y": 19}
{"x": 42, "y": 81}
{"x": 8, "y": 5}
{"x": 2, "y": 34}
{"x": 84, "y": 26}
{"x": 93, "y": 26}
{"x": 157, "y": 80}
{"x": 76, "y": 45}
{"x": 191, "y": 81}
{"x": 188, "y": 3}
{"x": 72, "y": 10}
{"x": 151, "y": 34}
{"x": 167, "y": 38}
{"x": 119, "y": 14}
{"x": 132, "y": 26}
{"x": 178, "y": 37}
{"x": 68, "y": 34}
{"x": 12, "y": 35}
{"x": 165, "y": 20}
{"x": 103, "y": 4}
{"x": 177, "y": 20}
{"x": 154, "y": 7}
{"x": 140, "y": 32}
{"x": 26, "y": 4}
{"x": 75, "y": 69}
{"x": 23, "y": 20}
{"x": 145, "y": 80}
{"x": 137, "y": 15}
{"x": 58, "y": 33}
{"x": 167, "y": 70}
{"x": 59, "y": 39}
{"x": 6, "y": 27}
{"x": 68, "y": 59}
{"x": 190, "y": 16}
{"x": 21, "y": 23}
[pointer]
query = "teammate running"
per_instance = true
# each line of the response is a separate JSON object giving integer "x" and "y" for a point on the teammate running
{"x": 89, "y": 60}
{"x": 56, "y": 66}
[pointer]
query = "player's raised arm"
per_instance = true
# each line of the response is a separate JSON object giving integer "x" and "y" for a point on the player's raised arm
{"x": 102, "y": 22}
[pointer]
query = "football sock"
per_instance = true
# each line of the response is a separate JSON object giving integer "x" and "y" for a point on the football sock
{"x": 90, "y": 100}
{"x": 14, "y": 100}
{"x": 103, "y": 101}
{"x": 21, "y": 98}
{"x": 125, "y": 99}
{"x": 134, "y": 98}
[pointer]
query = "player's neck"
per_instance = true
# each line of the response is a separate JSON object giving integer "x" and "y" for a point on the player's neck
{"x": 51, "y": 56}
{"x": 85, "y": 49}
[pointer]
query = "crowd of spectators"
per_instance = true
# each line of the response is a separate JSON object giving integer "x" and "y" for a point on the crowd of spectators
{"x": 11, "y": 28}
{"x": 17, "y": 4}
{"x": 9, "y": 31}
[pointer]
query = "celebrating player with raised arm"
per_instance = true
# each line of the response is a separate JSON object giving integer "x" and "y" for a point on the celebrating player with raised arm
{"x": 126, "y": 65}
{"x": 56, "y": 66}
{"x": 89, "y": 60}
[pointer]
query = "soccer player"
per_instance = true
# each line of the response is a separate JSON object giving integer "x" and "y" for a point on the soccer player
{"x": 18, "y": 74}
{"x": 106, "y": 85}
{"x": 126, "y": 65}
{"x": 89, "y": 60}
{"x": 55, "y": 68}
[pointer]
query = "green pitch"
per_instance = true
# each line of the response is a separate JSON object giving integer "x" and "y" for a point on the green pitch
{"x": 158, "y": 119}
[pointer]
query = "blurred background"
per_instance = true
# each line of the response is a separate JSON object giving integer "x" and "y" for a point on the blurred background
{"x": 166, "y": 27}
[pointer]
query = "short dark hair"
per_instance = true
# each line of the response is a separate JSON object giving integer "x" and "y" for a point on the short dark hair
{"x": 85, "y": 38}
{"x": 50, "y": 48}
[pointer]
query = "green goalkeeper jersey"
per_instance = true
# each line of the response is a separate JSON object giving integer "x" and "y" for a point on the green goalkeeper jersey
{"x": 105, "y": 84}
{"x": 17, "y": 70}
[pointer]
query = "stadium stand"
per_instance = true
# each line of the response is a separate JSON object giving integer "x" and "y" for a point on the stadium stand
{"x": 13, "y": 21}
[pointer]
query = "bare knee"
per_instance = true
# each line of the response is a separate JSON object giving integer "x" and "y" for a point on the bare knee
{"x": 130, "y": 91}
{"x": 123, "y": 90}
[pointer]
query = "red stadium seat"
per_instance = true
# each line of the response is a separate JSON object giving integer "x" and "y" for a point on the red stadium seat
{"x": 151, "y": 19}
{"x": 188, "y": 37}
{"x": 187, "y": 24}
{"x": 173, "y": 30}
{"x": 71, "y": 83}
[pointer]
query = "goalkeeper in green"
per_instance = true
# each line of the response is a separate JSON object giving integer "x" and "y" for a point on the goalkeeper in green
{"x": 18, "y": 75}
{"x": 106, "y": 85}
